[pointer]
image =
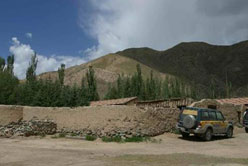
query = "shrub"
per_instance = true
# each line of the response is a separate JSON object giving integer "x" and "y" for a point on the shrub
{"x": 135, "y": 139}
{"x": 62, "y": 135}
{"x": 112, "y": 139}
{"x": 90, "y": 138}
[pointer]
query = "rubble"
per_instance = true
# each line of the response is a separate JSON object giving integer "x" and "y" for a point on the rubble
{"x": 33, "y": 127}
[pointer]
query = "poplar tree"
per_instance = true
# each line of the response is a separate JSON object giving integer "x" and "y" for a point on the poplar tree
{"x": 10, "y": 64}
{"x": 61, "y": 72}
{"x": 92, "y": 85}
{"x": 31, "y": 71}
{"x": 2, "y": 64}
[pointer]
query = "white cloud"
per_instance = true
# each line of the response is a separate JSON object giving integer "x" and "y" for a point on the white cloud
{"x": 24, "y": 52}
{"x": 29, "y": 35}
{"x": 160, "y": 24}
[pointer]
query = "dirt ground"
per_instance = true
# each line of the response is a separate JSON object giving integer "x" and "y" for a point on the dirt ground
{"x": 172, "y": 150}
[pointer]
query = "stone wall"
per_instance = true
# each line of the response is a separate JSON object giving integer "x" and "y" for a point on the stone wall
{"x": 10, "y": 114}
{"x": 231, "y": 112}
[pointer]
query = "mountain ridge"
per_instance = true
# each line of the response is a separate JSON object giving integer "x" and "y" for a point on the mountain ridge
{"x": 200, "y": 63}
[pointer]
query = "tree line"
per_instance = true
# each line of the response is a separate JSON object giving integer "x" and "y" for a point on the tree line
{"x": 40, "y": 92}
{"x": 54, "y": 93}
{"x": 151, "y": 88}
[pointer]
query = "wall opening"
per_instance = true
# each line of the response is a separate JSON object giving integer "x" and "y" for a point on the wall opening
{"x": 212, "y": 107}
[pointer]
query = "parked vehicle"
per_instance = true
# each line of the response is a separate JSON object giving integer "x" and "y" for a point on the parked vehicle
{"x": 204, "y": 123}
{"x": 245, "y": 120}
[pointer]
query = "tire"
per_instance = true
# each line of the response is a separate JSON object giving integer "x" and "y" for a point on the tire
{"x": 229, "y": 132}
{"x": 246, "y": 129}
{"x": 189, "y": 121}
{"x": 185, "y": 135}
{"x": 208, "y": 135}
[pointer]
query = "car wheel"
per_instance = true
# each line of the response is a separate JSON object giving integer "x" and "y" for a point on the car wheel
{"x": 229, "y": 132}
{"x": 185, "y": 135}
{"x": 246, "y": 129}
{"x": 208, "y": 135}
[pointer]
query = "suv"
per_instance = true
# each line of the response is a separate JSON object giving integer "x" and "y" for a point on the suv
{"x": 245, "y": 120}
{"x": 204, "y": 123}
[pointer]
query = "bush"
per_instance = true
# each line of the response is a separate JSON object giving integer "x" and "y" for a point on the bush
{"x": 136, "y": 139}
{"x": 62, "y": 135}
{"x": 90, "y": 138}
{"x": 112, "y": 139}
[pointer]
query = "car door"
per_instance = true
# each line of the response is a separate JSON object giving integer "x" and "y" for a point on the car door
{"x": 214, "y": 122}
{"x": 222, "y": 123}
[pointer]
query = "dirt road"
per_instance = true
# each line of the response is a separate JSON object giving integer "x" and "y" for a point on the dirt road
{"x": 173, "y": 150}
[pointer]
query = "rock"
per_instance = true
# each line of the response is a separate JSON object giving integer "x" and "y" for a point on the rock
{"x": 32, "y": 127}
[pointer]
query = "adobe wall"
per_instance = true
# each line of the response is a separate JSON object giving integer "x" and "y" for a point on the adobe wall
{"x": 99, "y": 120}
{"x": 84, "y": 117}
{"x": 10, "y": 114}
{"x": 159, "y": 119}
{"x": 230, "y": 111}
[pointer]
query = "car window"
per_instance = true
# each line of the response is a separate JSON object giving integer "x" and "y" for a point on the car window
{"x": 212, "y": 115}
{"x": 204, "y": 115}
{"x": 219, "y": 116}
{"x": 246, "y": 115}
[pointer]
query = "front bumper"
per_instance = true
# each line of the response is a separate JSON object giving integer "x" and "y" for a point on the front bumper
{"x": 191, "y": 131}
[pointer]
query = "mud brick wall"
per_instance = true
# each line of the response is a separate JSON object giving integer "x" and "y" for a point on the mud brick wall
{"x": 231, "y": 112}
{"x": 10, "y": 114}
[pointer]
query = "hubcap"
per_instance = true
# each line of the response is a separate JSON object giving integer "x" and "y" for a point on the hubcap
{"x": 208, "y": 135}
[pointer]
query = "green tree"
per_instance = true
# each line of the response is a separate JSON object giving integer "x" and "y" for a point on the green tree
{"x": 31, "y": 71}
{"x": 92, "y": 85}
{"x": 10, "y": 64}
{"x": 2, "y": 64}
{"x": 166, "y": 91}
{"x": 61, "y": 72}
{"x": 8, "y": 82}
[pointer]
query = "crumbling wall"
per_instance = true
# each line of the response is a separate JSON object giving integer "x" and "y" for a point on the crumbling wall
{"x": 231, "y": 112}
{"x": 84, "y": 117}
{"x": 158, "y": 120}
{"x": 10, "y": 114}
{"x": 101, "y": 121}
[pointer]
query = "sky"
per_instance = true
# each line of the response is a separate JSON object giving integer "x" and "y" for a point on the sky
{"x": 76, "y": 31}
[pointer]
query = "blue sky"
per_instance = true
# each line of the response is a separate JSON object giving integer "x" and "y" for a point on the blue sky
{"x": 53, "y": 23}
{"x": 76, "y": 31}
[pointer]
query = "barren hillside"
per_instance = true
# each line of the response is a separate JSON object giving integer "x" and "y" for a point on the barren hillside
{"x": 107, "y": 70}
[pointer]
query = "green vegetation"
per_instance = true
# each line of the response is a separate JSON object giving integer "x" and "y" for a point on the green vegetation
{"x": 46, "y": 93}
{"x": 213, "y": 71}
{"x": 112, "y": 139}
{"x": 150, "y": 89}
{"x": 90, "y": 138}
{"x": 137, "y": 139}
{"x": 197, "y": 70}
{"x": 118, "y": 139}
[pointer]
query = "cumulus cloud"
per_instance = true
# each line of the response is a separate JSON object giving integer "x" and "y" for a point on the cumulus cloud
{"x": 29, "y": 35}
{"x": 24, "y": 52}
{"x": 161, "y": 24}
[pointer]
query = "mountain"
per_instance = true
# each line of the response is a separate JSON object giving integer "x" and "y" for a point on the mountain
{"x": 107, "y": 69}
{"x": 203, "y": 65}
